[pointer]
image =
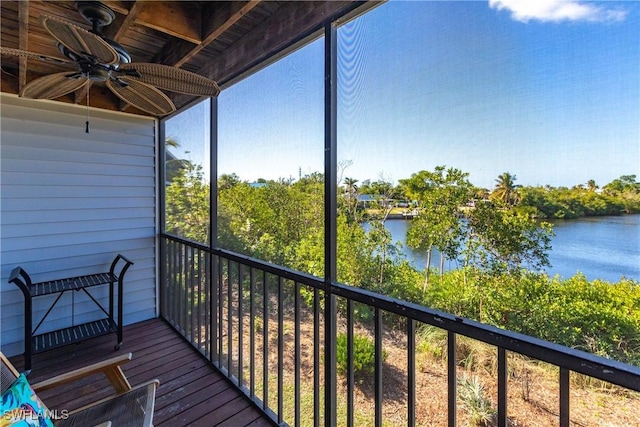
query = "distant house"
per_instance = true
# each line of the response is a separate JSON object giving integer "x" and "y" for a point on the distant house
{"x": 371, "y": 200}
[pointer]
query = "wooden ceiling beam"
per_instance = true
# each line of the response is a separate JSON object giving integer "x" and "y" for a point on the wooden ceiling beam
{"x": 217, "y": 26}
{"x": 23, "y": 41}
{"x": 117, "y": 29}
{"x": 178, "y": 19}
{"x": 119, "y": 6}
{"x": 288, "y": 24}
{"x": 179, "y": 52}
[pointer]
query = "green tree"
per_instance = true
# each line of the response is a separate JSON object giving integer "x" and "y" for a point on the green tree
{"x": 627, "y": 191}
{"x": 351, "y": 198}
{"x": 625, "y": 182}
{"x": 507, "y": 239}
{"x": 506, "y": 190}
{"x": 270, "y": 221}
{"x": 565, "y": 203}
{"x": 379, "y": 235}
{"x": 227, "y": 181}
{"x": 440, "y": 195}
{"x": 187, "y": 204}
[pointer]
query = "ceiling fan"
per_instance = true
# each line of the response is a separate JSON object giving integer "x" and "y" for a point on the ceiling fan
{"x": 99, "y": 59}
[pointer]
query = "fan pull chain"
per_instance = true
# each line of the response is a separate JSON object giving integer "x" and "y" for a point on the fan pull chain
{"x": 87, "y": 122}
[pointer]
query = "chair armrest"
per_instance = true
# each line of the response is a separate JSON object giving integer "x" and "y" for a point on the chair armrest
{"x": 110, "y": 368}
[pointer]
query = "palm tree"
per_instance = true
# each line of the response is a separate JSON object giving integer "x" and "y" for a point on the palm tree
{"x": 171, "y": 142}
{"x": 506, "y": 189}
{"x": 591, "y": 185}
{"x": 173, "y": 165}
{"x": 351, "y": 190}
{"x": 350, "y": 184}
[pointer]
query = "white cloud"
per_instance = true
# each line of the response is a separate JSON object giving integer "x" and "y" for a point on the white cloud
{"x": 557, "y": 10}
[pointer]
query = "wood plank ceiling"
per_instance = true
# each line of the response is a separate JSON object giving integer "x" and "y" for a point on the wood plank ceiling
{"x": 216, "y": 39}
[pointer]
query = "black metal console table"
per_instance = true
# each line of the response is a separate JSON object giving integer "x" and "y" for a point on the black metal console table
{"x": 37, "y": 343}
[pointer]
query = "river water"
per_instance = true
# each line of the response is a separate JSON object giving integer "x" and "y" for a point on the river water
{"x": 605, "y": 248}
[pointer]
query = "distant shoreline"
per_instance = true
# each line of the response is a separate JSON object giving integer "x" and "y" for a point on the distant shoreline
{"x": 400, "y": 216}
{"x": 396, "y": 216}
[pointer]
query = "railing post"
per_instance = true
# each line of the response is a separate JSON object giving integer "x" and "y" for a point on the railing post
{"x": 452, "y": 378}
{"x": 190, "y": 290}
{"x": 331, "y": 389}
{"x": 162, "y": 281}
{"x": 252, "y": 334}
{"x": 350, "y": 373}
{"x": 229, "y": 319}
{"x": 296, "y": 355}
{"x": 316, "y": 357}
{"x": 564, "y": 397}
{"x": 182, "y": 305}
{"x": 217, "y": 271}
{"x": 211, "y": 331}
{"x": 411, "y": 372}
{"x": 378, "y": 366}
{"x": 502, "y": 387}
{"x": 265, "y": 341}
{"x": 280, "y": 298}
{"x": 240, "y": 328}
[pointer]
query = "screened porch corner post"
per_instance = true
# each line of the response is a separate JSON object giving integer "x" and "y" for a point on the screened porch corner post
{"x": 330, "y": 217}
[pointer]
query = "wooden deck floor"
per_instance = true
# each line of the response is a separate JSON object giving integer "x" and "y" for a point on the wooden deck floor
{"x": 191, "y": 392}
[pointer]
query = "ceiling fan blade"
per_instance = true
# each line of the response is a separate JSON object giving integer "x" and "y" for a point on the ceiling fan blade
{"x": 53, "y": 86}
{"x": 80, "y": 41}
{"x": 141, "y": 95}
{"x": 32, "y": 55}
{"x": 172, "y": 79}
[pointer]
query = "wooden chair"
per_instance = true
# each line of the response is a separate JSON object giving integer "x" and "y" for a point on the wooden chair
{"x": 130, "y": 406}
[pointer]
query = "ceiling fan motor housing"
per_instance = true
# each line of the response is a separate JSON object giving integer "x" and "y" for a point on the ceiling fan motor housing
{"x": 125, "y": 58}
{"x": 88, "y": 66}
{"x": 96, "y": 13}
{"x": 100, "y": 15}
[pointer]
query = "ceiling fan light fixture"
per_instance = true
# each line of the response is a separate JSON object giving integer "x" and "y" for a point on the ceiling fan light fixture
{"x": 98, "y": 74}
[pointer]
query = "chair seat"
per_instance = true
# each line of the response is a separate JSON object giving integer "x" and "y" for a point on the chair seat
{"x": 131, "y": 409}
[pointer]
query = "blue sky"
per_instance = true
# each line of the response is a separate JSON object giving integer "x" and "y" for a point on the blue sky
{"x": 546, "y": 90}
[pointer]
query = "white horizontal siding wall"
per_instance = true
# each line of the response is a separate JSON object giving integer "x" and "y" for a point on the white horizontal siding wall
{"x": 70, "y": 202}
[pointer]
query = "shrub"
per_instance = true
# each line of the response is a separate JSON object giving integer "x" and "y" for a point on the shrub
{"x": 432, "y": 341}
{"x": 363, "y": 355}
{"x": 596, "y": 316}
{"x": 472, "y": 396}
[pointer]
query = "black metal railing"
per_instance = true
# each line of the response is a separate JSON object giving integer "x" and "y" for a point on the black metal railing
{"x": 263, "y": 326}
